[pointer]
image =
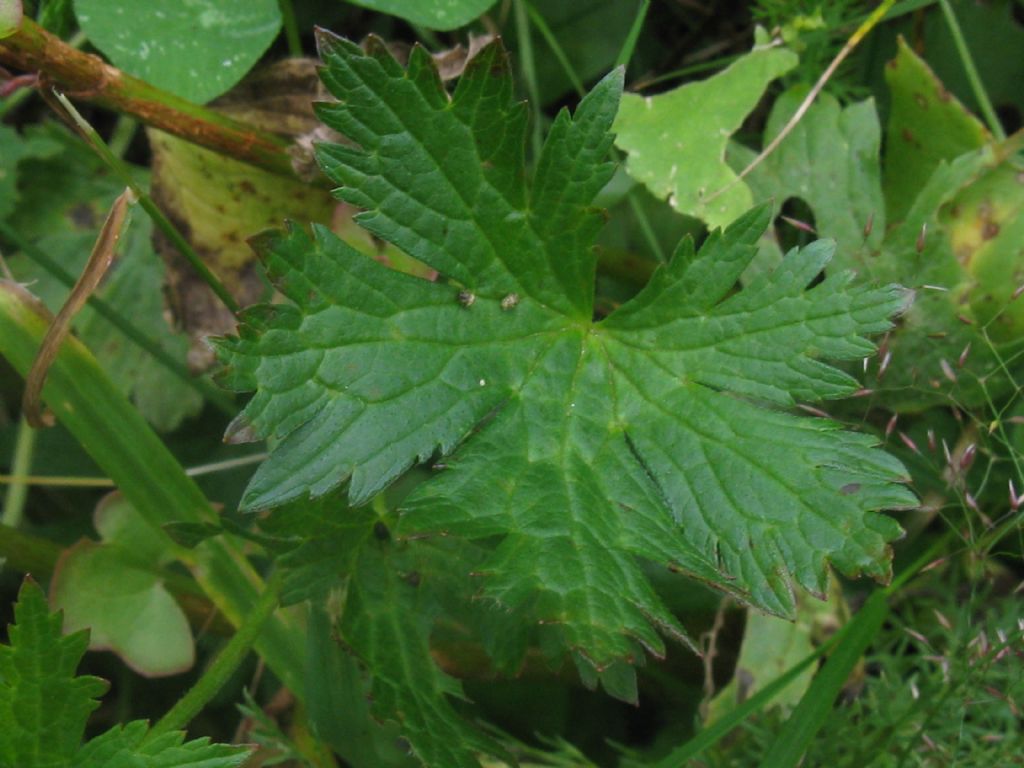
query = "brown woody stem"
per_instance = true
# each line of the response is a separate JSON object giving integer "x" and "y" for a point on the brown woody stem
{"x": 87, "y": 77}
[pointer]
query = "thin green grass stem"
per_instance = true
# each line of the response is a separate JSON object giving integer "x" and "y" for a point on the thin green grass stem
{"x": 722, "y": 727}
{"x": 224, "y": 665}
{"x": 122, "y": 135}
{"x": 815, "y": 705}
{"x": 645, "y": 226}
{"x": 17, "y": 492}
{"x": 291, "y": 28}
{"x": 549, "y": 37}
{"x": 977, "y": 87}
{"x": 693, "y": 69}
{"x": 428, "y": 36}
{"x": 528, "y": 65}
{"x": 629, "y": 45}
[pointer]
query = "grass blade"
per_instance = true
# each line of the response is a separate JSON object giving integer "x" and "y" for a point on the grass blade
{"x": 724, "y": 725}
{"x": 88, "y": 404}
{"x": 634, "y": 34}
{"x": 814, "y": 708}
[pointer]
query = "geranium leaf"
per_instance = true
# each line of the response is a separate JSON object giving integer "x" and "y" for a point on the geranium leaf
{"x": 387, "y": 623}
{"x": 124, "y": 747}
{"x": 661, "y": 432}
{"x": 43, "y": 706}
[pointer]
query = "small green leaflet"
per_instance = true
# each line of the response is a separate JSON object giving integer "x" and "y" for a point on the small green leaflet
{"x": 830, "y": 161}
{"x": 196, "y": 49}
{"x": 113, "y": 588}
{"x": 675, "y": 141}
{"x": 927, "y": 125}
{"x": 660, "y": 432}
{"x": 44, "y": 707}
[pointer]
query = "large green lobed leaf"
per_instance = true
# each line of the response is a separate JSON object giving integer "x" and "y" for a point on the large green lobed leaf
{"x": 661, "y": 432}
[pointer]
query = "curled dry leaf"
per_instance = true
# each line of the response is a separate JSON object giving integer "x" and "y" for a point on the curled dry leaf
{"x": 99, "y": 261}
{"x": 218, "y": 202}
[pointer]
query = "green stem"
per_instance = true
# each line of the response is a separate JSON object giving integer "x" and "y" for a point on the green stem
{"x": 185, "y": 248}
{"x": 629, "y": 45}
{"x": 11, "y": 102}
{"x": 291, "y": 28}
{"x": 14, "y": 501}
{"x": 529, "y": 73}
{"x": 816, "y": 704}
{"x": 905, "y": 7}
{"x": 162, "y": 222}
{"x": 645, "y": 226}
{"x": 552, "y": 41}
{"x": 122, "y": 135}
{"x": 88, "y": 77}
{"x": 723, "y": 726}
{"x": 212, "y": 393}
{"x": 227, "y": 661}
{"x": 977, "y": 87}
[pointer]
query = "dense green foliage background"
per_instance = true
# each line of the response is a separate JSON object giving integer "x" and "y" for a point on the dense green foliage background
{"x": 519, "y": 480}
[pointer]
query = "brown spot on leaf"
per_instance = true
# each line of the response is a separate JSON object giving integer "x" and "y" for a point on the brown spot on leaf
{"x": 909, "y": 137}
{"x": 83, "y": 217}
